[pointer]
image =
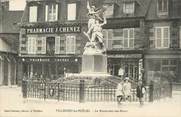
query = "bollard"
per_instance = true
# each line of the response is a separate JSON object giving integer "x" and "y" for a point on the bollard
{"x": 24, "y": 88}
{"x": 151, "y": 89}
{"x": 81, "y": 91}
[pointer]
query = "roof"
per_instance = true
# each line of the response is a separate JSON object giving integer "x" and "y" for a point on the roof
{"x": 10, "y": 21}
{"x": 12, "y": 40}
{"x": 174, "y": 10}
{"x": 140, "y": 5}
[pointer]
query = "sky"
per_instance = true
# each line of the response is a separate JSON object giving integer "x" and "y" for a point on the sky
{"x": 17, "y": 4}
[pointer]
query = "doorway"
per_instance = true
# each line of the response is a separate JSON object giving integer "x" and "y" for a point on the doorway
{"x": 50, "y": 45}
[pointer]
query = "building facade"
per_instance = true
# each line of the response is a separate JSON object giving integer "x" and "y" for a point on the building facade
{"x": 51, "y": 37}
{"x": 9, "y": 35}
{"x": 142, "y": 37}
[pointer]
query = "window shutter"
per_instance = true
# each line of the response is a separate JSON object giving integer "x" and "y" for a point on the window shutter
{"x": 131, "y": 37}
{"x": 78, "y": 44}
{"x": 62, "y": 44}
{"x": 23, "y": 41}
{"x": 110, "y": 36}
{"x": 151, "y": 38}
{"x": 43, "y": 45}
{"x": 57, "y": 45}
{"x": 125, "y": 36}
{"x": 46, "y": 13}
{"x": 34, "y": 45}
{"x": 56, "y": 12}
{"x": 70, "y": 44}
{"x": 166, "y": 37}
{"x": 33, "y": 13}
{"x": 158, "y": 36}
{"x": 39, "y": 45}
{"x": 105, "y": 39}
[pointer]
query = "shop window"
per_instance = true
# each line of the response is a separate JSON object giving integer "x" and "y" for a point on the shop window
{"x": 162, "y": 37}
{"x": 71, "y": 11}
{"x": 33, "y": 13}
{"x": 32, "y": 45}
{"x": 162, "y": 7}
{"x": 70, "y": 44}
{"x": 51, "y": 12}
{"x": 129, "y": 7}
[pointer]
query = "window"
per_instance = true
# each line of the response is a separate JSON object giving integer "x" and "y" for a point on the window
{"x": 51, "y": 12}
{"x": 162, "y": 7}
{"x": 162, "y": 36}
{"x": 70, "y": 44}
{"x": 71, "y": 11}
{"x": 169, "y": 65}
{"x": 128, "y": 7}
{"x": 109, "y": 12}
{"x": 128, "y": 35}
{"x": 33, "y": 14}
{"x": 31, "y": 45}
{"x": 121, "y": 38}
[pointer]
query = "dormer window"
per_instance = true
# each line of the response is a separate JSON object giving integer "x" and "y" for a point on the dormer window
{"x": 71, "y": 11}
{"x": 33, "y": 13}
{"x": 51, "y": 12}
{"x": 109, "y": 10}
{"x": 162, "y": 7}
{"x": 129, "y": 7}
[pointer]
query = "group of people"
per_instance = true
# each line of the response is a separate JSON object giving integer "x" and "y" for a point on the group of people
{"x": 124, "y": 92}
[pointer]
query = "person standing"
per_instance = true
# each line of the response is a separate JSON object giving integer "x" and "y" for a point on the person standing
{"x": 140, "y": 90}
{"x": 119, "y": 93}
{"x": 127, "y": 88}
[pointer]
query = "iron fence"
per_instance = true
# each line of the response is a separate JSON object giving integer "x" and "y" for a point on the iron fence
{"x": 87, "y": 93}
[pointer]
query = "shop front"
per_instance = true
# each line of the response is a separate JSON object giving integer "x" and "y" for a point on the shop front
{"x": 50, "y": 67}
{"x": 126, "y": 65}
{"x": 161, "y": 67}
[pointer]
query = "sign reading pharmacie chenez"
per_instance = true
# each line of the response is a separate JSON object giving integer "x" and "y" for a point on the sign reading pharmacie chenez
{"x": 54, "y": 29}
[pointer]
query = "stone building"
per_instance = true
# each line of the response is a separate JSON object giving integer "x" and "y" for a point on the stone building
{"x": 9, "y": 35}
{"x": 142, "y": 37}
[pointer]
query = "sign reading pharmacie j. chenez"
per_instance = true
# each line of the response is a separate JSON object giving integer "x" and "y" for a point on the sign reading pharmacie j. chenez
{"x": 54, "y": 29}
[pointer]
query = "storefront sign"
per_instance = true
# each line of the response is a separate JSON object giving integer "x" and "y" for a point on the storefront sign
{"x": 50, "y": 59}
{"x": 50, "y": 30}
{"x": 125, "y": 56}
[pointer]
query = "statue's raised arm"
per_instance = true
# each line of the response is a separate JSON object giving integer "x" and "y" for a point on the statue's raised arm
{"x": 88, "y": 5}
{"x": 91, "y": 9}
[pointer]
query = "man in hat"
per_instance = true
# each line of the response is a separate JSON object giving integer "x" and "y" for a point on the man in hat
{"x": 140, "y": 90}
{"x": 127, "y": 88}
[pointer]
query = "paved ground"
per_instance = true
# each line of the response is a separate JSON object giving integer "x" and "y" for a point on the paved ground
{"x": 12, "y": 104}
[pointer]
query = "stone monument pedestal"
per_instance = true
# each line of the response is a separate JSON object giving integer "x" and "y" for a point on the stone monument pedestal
{"x": 94, "y": 64}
